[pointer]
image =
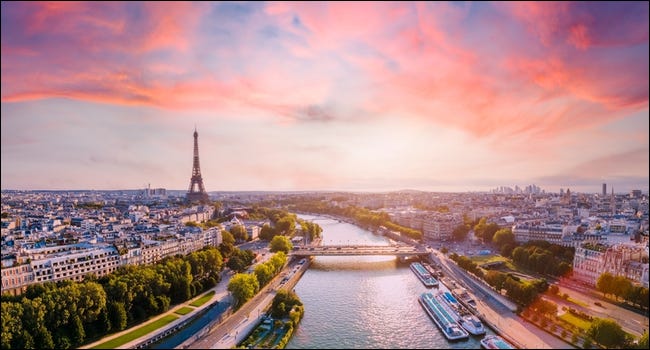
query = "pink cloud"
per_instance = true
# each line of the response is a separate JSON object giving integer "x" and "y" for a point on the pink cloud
{"x": 173, "y": 25}
{"x": 322, "y": 61}
{"x": 583, "y": 25}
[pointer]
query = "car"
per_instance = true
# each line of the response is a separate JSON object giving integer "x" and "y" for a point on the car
{"x": 598, "y": 304}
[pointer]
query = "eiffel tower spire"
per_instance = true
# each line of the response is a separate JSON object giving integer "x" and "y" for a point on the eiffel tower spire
{"x": 196, "y": 192}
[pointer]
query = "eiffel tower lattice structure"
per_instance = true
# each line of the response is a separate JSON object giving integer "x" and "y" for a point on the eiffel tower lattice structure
{"x": 196, "y": 192}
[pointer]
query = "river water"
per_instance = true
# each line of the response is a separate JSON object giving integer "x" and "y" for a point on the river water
{"x": 363, "y": 302}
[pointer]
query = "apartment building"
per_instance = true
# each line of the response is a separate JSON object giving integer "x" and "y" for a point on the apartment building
{"x": 592, "y": 260}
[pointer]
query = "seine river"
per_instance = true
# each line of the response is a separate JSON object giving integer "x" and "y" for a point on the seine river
{"x": 363, "y": 302}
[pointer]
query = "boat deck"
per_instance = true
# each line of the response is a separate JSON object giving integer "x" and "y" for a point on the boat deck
{"x": 442, "y": 317}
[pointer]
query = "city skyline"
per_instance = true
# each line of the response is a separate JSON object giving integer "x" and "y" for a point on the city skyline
{"x": 325, "y": 96}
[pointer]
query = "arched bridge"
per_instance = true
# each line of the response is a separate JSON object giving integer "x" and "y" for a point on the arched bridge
{"x": 353, "y": 250}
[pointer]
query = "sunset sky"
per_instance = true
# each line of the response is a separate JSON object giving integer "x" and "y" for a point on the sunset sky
{"x": 325, "y": 96}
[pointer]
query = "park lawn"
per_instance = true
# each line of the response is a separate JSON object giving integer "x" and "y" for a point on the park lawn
{"x": 136, "y": 333}
{"x": 482, "y": 259}
{"x": 202, "y": 300}
{"x": 184, "y": 310}
{"x": 576, "y": 321}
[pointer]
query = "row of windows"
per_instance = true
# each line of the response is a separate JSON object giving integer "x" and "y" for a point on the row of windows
{"x": 11, "y": 282}
{"x": 80, "y": 268}
{"x": 15, "y": 271}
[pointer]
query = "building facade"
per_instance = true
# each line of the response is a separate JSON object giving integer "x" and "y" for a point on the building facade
{"x": 592, "y": 260}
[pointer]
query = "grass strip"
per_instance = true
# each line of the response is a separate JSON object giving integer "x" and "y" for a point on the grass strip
{"x": 576, "y": 321}
{"x": 184, "y": 310}
{"x": 202, "y": 300}
{"x": 136, "y": 333}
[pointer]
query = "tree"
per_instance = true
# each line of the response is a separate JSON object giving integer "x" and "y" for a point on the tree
{"x": 283, "y": 302}
{"x": 310, "y": 229}
{"x": 503, "y": 236}
{"x": 227, "y": 238}
{"x": 243, "y": 286}
{"x": 480, "y": 226}
{"x": 277, "y": 261}
{"x": 12, "y": 327}
{"x": 91, "y": 301}
{"x": 605, "y": 283}
{"x": 607, "y": 332}
{"x": 213, "y": 261}
{"x": 236, "y": 264}
{"x": 227, "y": 245}
{"x": 622, "y": 286}
{"x": 280, "y": 244}
{"x": 117, "y": 315}
{"x": 267, "y": 232}
{"x": 545, "y": 307}
{"x": 286, "y": 225}
{"x": 78, "y": 332}
{"x": 489, "y": 232}
{"x": 263, "y": 273}
{"x": 239, "y": 233}
{"x": 460, "y": 232}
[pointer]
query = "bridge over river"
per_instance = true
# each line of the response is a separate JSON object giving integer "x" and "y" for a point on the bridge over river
{"x": 356, "y": 250}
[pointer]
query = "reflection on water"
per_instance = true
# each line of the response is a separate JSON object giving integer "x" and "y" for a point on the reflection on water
{"x": 330, "y": 263}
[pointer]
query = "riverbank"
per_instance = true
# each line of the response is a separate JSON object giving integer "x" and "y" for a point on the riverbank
{"x": 500, "y": 317}
{"x": 151, "y": 336}
{"x": 270, "y": 333}
{"x": 242, "y": 322}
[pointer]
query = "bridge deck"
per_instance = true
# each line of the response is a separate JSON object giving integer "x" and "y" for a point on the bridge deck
{"x": 358, "y": 250}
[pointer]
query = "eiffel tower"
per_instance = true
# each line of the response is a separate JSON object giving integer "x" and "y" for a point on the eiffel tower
{"x": 196, "y": 192}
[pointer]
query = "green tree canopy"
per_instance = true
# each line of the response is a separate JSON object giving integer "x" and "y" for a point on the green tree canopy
{"x": 227, "y": 238}
{"x": 240, "y": 260}
{"x": 277, "y": 261}
{"x": 286, "y": 225}
{"x": 239, "y": 232}
{"x": 227, "y": 246}
{"x": 263, "y": 273}
{"x": 503, "y": 236}
{"x": 283, "y": 302}
{"x": 605, "y": 283}
{"x": 608, "y": 333}
{"x": 243, "y": 286}
{"x": 267, "y": 232}
{"x": 280, "y": 244}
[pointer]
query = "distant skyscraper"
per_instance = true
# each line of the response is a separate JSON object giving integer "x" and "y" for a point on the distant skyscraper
{"x": 604, "y": 190}
{"x": 196, "y": 192}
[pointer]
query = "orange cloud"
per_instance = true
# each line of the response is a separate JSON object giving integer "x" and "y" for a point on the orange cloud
{"x": 326, "y": 61}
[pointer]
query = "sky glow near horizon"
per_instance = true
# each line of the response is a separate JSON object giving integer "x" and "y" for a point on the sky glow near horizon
{"x": 325, "y": 96}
